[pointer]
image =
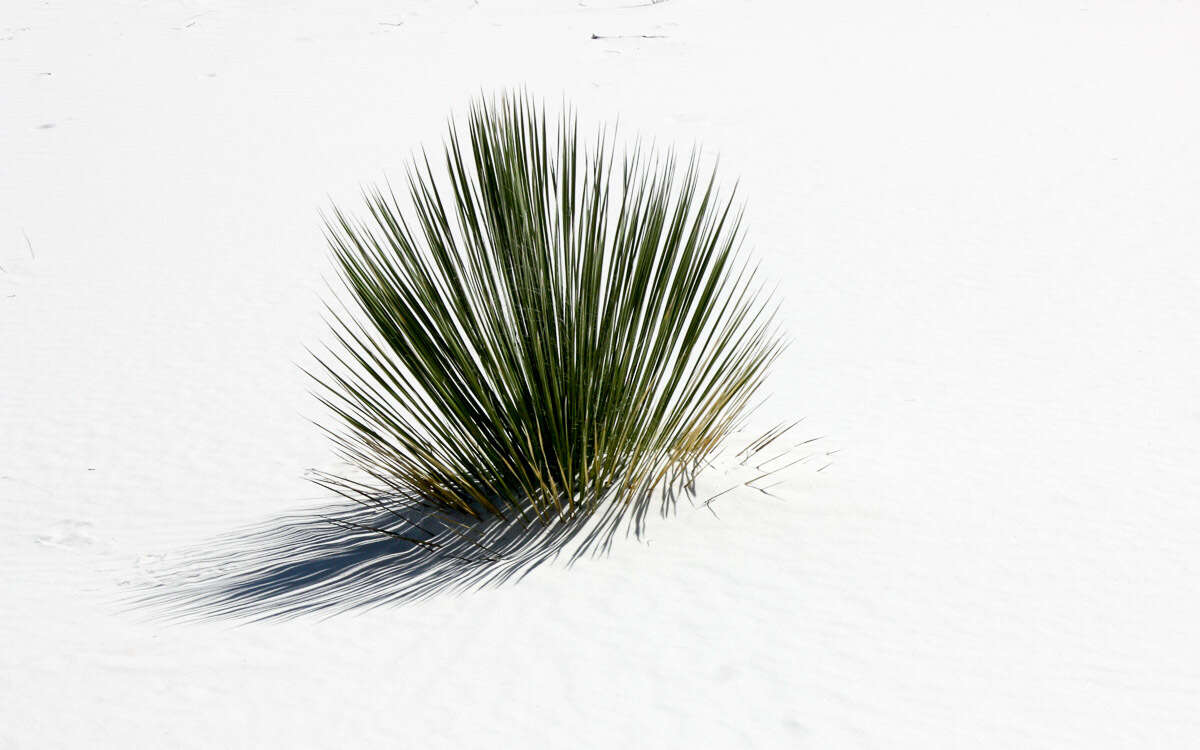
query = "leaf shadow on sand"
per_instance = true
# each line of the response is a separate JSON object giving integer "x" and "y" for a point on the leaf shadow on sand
{"x": 339, "y": 558}
{"x": 344, "y": 556}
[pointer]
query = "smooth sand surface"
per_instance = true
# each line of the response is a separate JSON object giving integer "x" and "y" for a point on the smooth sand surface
{"x": 984, "y": 222}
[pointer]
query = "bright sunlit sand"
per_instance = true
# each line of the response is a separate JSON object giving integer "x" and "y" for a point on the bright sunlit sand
{"x": 982, "y": 222}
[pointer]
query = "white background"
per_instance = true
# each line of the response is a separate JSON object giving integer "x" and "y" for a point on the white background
{"x": 984, "y": 221}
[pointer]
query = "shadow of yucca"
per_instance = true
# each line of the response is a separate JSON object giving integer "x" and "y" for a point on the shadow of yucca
{"x": 527, "y": 348}
{"x": 339, "y": 558}
{"x": 350, "y": 556}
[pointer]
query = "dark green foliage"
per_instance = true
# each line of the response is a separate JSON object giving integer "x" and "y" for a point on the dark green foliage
{"x": 544, "y": 329}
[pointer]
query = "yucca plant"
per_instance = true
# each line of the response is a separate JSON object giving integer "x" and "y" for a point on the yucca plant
{"x": 539, "y": 331}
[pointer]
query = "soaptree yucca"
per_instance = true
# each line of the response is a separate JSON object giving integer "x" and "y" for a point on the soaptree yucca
{"x": 540, "y": 328}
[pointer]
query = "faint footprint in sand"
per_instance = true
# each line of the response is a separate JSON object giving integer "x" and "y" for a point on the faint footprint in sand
{"x": 728, "y": 673}
{"x": 69, "y": 534}
{"x": 12, "y": 33}
{"x": 795, "y": 728}
{"x": 147, "y": 571}
{"x": 163, "y": 569}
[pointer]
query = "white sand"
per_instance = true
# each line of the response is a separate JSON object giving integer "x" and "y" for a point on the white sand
{"x": 985, "y": 221}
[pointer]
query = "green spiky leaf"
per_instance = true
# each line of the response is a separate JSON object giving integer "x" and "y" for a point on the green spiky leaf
{"x": 539, "y": 328}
